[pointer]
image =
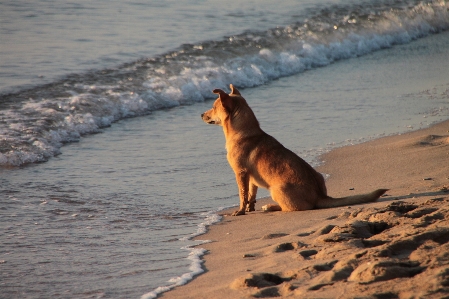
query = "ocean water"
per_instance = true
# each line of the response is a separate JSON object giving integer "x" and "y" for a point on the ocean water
{"x": 107, "y": 170}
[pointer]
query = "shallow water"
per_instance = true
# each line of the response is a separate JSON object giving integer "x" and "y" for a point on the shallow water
{"x": 111, "y": 216}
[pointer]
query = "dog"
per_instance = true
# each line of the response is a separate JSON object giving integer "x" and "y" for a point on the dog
{"x": 259, "y": 160}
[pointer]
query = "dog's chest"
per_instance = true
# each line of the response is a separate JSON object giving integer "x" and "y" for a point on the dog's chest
{"x": 240, "y": 154}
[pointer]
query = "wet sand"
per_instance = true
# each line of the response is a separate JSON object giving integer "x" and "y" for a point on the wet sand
{"x": 397, "y": 247}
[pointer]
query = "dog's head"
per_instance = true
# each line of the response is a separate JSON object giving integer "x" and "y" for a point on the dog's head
{"x": 223, "y": 107}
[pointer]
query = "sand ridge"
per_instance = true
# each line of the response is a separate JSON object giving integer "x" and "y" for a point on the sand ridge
{"x": 407, "y": 243}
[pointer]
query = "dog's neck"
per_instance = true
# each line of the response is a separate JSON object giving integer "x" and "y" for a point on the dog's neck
{"x": 242, "y": 123}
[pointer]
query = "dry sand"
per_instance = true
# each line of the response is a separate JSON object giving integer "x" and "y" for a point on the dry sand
{"x": 397, "y": 247}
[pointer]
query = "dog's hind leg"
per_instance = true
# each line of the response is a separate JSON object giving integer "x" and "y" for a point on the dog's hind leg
{"x": 292, "y": 198}
{"x": 252, "y": 198}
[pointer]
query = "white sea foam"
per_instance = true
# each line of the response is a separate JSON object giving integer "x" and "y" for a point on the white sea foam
{"x": 194, "y": 256}
{"x": 36, "y": 131}
{"x": 195, "y": 269}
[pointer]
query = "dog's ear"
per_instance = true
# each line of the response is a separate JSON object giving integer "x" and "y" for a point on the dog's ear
{"x": 234, "y": 90}
{"x": 226, "y": 100}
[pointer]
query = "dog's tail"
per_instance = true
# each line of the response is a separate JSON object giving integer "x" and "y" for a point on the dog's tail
{"x": 330, "y": 202}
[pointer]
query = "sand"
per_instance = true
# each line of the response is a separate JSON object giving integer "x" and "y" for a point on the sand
{"x": 397, "y": 247}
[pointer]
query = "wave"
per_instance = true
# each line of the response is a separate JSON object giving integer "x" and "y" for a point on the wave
{"x": 194, "y": 256}
{"x": 35, "y": 123}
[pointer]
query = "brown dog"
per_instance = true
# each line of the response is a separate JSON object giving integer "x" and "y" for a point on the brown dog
{"x": 259, "y": 160}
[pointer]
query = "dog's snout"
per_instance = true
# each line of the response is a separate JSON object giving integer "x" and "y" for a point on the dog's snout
{"x": 202, "y": 115}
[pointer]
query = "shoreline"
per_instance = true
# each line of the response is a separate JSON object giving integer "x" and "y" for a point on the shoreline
{"x": 337, "y": 252}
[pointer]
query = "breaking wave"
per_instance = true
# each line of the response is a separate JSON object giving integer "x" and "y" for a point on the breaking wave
{"x": 35, "y": 123}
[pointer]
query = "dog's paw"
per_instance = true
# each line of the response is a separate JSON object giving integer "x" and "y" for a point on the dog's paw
{"x": 250, "y": 208}
{"x": 271, "y": 208}
{"x": 238, "y": 213}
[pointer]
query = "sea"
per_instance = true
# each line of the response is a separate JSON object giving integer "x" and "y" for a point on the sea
{"x": 107, "y": 171}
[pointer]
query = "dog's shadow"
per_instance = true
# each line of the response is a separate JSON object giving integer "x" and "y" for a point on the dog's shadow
{"x": 414, "y": 195}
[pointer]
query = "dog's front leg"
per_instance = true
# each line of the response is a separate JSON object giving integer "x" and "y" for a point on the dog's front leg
{"x": 242, "y": 178}
{"x": 252, "y": 198}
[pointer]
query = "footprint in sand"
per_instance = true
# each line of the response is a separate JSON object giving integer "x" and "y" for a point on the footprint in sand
{"x": 402, "y": 243}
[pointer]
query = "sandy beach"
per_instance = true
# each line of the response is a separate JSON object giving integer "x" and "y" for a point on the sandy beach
{"x": 397, "y": 247}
